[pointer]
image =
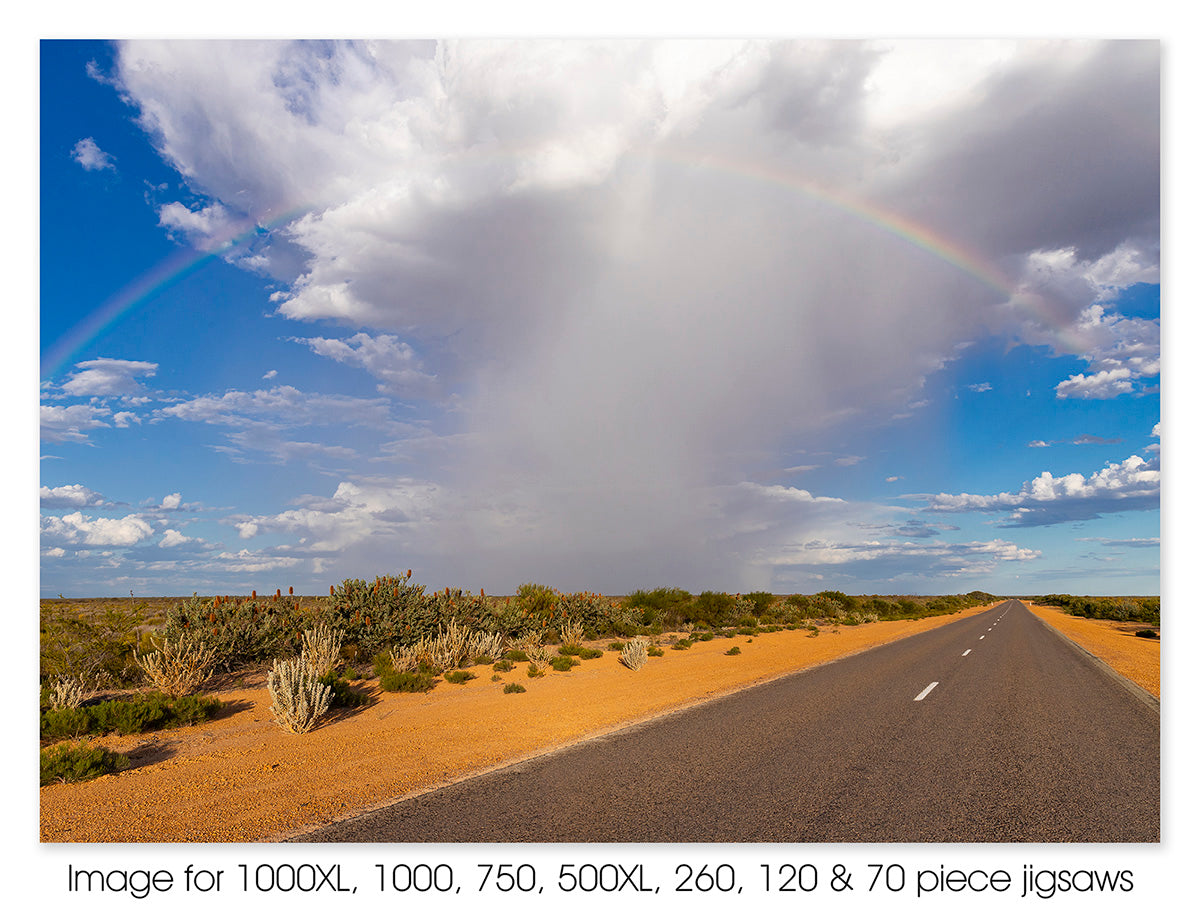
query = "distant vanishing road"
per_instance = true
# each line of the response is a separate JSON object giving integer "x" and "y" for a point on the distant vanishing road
{"x": 991, "y": 729}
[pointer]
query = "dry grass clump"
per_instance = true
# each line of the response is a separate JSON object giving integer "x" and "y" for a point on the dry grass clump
{"x": 322, "y": 649}
{"x": 635, "y": 653}
{"x": 66, "y": 693}
{"x": 451, "y": 647}
{"x": 298, "y": 697}
{"x": 177, "y": 668}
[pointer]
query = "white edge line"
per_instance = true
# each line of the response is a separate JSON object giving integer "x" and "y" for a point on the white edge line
{"x": 926, "y": 691}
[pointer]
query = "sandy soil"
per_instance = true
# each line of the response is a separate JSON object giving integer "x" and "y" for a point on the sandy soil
{"x": 1115, "y": 643}
{"x": 242, "y": 778}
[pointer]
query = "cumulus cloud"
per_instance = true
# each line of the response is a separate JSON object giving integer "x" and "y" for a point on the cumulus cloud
{"x": 71, "y": 496}
{"x": 209, "y": 229}
{"x": 384, "y": 357}
{"x": 79, "y": 529}
{"x": 108, "y": 377}
{"x": 1131, "y": 485}
{"x": 1106, "y": 384}
{"x": 593, "y": 245}
{"x": 89, "y": 155}
{"x": 980, "y": 387}
{"x": 68, "y": 423}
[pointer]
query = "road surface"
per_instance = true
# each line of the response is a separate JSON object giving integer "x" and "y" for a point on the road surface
{"x": 991, "y": 729}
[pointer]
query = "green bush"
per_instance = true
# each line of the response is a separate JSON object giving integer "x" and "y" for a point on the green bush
{"x": 149, "y": 712}
{"x": 533, "y": 671}
{"x": 655, "y": 651}
{"x": 616, "y": 646}
{"x": 407, "y": 682}
{"x": 575, "y": 650}
{"x": 60, "y": 723}
{"x": 459, "y": 676}
{"x": 516, "y": 654}
{"x": 1146, "y": 633}
{"x": 682, "y": 644}
{"x": 588, "y": 654}
{"x": 78, "y": 762}
{"x": 502, "y": 666}
{"x": 513, "y": 687}
{"x": 564, "y": 662}
{"x": 342, "y": 694}
{"x": 733, "y": 651}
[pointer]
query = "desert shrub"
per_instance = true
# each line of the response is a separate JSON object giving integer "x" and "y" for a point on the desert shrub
{"x": 341, "y": 693}
{"x": 703, "y": 636}
{"x": 575, "y": 649}
{"x": 459, "y": 676}
{"x": 735, "y": 650}
{"x": 564, "y": 662}
{"x": 193, "y": 709}
{"x": 616, "y": 646}
{"x": 682, "y": 644}
{"x": 533, "y": 671}
{"x": 239, "y": 630}
{"x": 633, "y": 655}
{"x": 95, "y": 647}
{"x": 407, "y": 682}
{"x": 403, "y": 658}
{"x": 502, "y": 666}
{"x": 536, "y": 600}
{"x": 69, "y": 762}
{"x": 481, "y": 660}
{"x": 571, "y": 632}
{"x": 513, "y": 687}
{"x": 655, "y": 651}
{"x": 321, "y": 648}
{"x": 761, "y": 601}
{"x": 177, "y": 667}
{"x": 537, "y": 654}
{"x": 298, "y": 697}
{"x": 1146, "y": 633}
{"x": 588, "y": 654}
{"x": 516, "y": 654}
{"x": 149, "y": 712}
{"x": 59, "y": 723}
{"x": 386, "y": 611}
{"x": 65, "y": 693}
{"x": 129, "y": 716}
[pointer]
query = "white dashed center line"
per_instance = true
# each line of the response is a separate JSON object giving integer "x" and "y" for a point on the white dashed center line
{"x": 965, "y": 653}
{"x": 926, "y": 691}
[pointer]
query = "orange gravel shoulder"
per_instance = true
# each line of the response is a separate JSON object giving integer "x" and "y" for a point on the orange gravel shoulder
{"x": 1136, "y": 659}
{"x": 242, "y": 778}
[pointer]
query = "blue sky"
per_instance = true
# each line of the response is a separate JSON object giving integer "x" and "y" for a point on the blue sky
{"x": 880, "y": 317}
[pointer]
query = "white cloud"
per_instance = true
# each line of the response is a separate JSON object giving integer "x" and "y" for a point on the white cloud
{"x": 385, "y": 357}
{"x": 61, "y": 424}
{"x": 173, "y": 538}
{"x": 78, "y": 529}
{"x": 108, "y": 377}
{"x": 89, "y": 155}
{"x": 71, "y": 496}
{"x": 980, "y": 387}
{"x": 209, "y": 229}
{"x": 282, "y": 406}
{"x": 1106, "y": 384}
{"x": 595, "y": 246}
{"x": 1131, "y": 485}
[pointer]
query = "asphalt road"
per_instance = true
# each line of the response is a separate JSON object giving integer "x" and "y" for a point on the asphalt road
{"x": 991, "y": 729}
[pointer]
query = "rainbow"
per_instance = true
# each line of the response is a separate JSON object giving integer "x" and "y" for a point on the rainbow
{"x": 161, "y": 276}
{"x": 924, "y": 238}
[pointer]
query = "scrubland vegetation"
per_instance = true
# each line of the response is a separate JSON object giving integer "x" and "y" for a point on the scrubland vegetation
{"x": 1120, "y": 609}
{"x": 120, "y": 667}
